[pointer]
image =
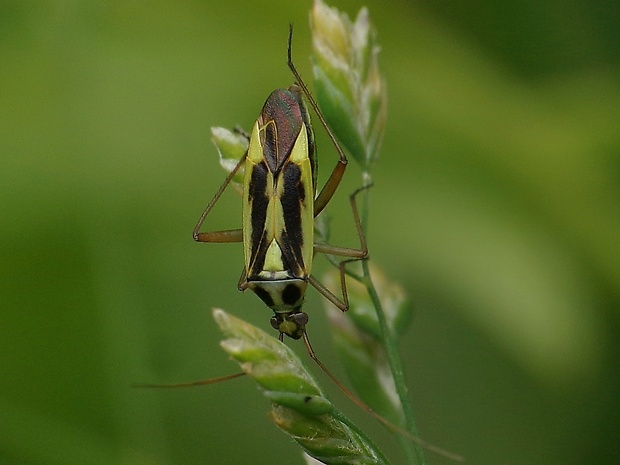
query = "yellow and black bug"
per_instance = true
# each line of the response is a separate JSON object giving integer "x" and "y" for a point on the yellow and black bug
{"x": 279, "y": 207}
{"x": 280, "y": 204}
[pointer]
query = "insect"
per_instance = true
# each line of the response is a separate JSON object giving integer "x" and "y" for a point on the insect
{"x": 279, "y": 207}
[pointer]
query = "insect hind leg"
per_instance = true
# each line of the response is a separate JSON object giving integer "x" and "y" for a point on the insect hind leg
{"x": 333, "y": 182}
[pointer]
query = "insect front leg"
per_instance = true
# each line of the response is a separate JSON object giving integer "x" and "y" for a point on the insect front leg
{"x": 230, "y": 235}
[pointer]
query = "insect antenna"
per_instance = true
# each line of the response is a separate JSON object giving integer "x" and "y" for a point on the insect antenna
{"x": 202, "y": 382}
{"x": 356, "y": 400}
{"x": 361, "y": 404}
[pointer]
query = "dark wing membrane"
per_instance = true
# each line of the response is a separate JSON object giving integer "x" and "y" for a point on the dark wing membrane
{"x": 282, "y": 117}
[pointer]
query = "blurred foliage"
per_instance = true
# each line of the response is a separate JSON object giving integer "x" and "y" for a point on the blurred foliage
{"x": 496, "y": 205}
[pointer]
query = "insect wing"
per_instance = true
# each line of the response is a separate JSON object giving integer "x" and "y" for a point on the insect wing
{"x": 279, "y": 192}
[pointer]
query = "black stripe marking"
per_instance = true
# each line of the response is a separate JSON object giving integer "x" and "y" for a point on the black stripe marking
{"x": 292, "y": 199}
{"x": 258, "y": 199}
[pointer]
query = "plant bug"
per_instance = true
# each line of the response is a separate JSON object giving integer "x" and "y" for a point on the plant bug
{"x": 279, "y": 207}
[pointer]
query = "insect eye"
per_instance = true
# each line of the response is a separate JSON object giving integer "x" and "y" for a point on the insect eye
{"x": 301, "y": 319}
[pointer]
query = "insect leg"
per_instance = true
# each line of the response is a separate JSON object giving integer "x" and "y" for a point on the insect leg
{"x": 334, "y": 179}
{"x": 329, "y": 189}
{"x": 353, "y": 254}
{"x": 202, "y": 382}
{"x": 360, "y": 403}
{"x": 329, "y": 295}
{"x": 231, "y": 235}
{"x": 242, "y": 285}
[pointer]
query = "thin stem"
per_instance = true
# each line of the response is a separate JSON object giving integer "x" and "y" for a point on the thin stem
{"x": 393, "y": 355}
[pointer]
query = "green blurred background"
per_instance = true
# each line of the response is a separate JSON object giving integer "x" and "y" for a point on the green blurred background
{"x": 496, "y": 205}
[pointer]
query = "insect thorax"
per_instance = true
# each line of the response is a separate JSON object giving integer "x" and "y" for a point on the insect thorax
{"x": 285, "y": 297}
{"x": 281, "y": 295}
